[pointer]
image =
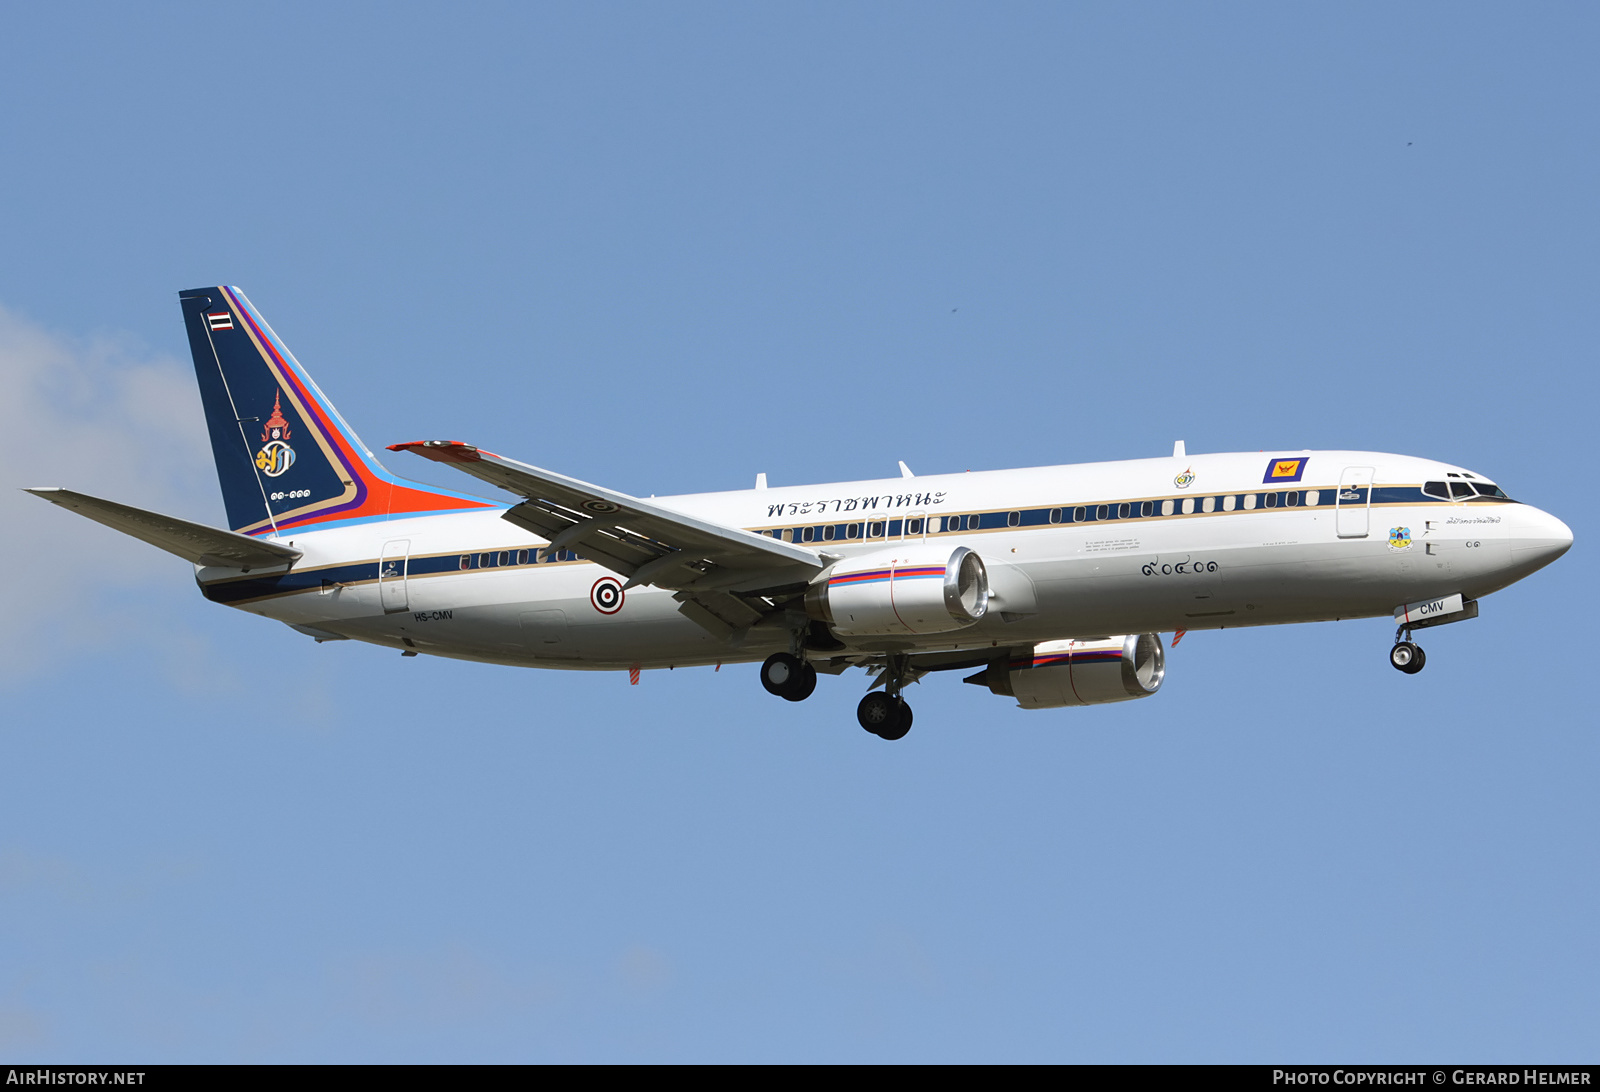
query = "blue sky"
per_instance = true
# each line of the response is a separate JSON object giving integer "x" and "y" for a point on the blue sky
{"x": 666, "y": 248}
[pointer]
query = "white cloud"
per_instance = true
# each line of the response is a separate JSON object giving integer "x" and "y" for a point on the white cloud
{"x": 106, "y": 418}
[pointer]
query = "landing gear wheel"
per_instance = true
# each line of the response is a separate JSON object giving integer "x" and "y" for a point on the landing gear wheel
{"x": 899, "y": 730}
{"x": 1407, "y": 657}
{"x": 883, "y": 716}
{"x": 787, "y": 677}
{"x": 803, "y": 684}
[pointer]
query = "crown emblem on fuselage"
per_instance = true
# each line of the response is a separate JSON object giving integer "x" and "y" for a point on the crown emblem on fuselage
{"x": 1184, "y": 480}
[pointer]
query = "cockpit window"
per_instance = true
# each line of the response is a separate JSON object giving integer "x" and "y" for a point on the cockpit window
{"x": 1489, "y": 489}
{"x": 1460, "y": 489}
{"x": 1436, "y": 489}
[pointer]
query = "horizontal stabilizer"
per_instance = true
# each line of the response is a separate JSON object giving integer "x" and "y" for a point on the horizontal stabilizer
{"x": 193, "y": 542}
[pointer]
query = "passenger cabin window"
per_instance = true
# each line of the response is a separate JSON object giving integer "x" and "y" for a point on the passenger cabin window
{"x": 1078, "y": 515}
{"x": 1227, "y": 503}
{"x": 1013, "y": 519}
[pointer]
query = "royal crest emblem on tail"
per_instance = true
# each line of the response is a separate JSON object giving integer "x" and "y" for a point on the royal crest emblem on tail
{"x": 277, "y": 456}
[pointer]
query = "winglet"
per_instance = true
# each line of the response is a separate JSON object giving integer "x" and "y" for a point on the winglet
{"x": 441, "y": 451}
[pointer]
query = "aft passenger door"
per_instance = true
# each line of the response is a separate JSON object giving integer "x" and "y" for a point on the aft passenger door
{"x": 392, "y": 575}
{"x": 1353, "y": 501}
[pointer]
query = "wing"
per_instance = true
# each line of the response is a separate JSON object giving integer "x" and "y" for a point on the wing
{"x": 717, "y": 569}
{"x": 193, "y": 542}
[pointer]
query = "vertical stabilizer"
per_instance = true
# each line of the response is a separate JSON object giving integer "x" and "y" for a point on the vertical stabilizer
{"x": 285, "y": 458}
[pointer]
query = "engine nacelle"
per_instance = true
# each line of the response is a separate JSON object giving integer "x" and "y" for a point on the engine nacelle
{"x": 916, "y": 588}
{"x": 1091, "y": 672}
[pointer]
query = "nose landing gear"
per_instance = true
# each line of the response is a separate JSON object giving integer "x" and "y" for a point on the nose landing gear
{"x": 1406, "y": 655}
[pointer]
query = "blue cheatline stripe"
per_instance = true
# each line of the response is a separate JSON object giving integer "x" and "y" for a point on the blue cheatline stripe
{"x": 1041, "y": 517}
{"x": 242, "y": 589}
{"x": 238, "y": 590}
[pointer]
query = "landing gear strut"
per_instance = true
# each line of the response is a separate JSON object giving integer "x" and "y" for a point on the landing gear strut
{"x": 788, "y": 677}
{"x": 1406, "y": 655}
{"x": 886, "y": 714}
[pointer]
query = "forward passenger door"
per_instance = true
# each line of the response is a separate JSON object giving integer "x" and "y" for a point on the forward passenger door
{"x": 1353, "y": 501}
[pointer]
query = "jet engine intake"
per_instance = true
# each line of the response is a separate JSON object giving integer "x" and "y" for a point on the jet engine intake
{"x": 916, "y": 588}
{"x": 1088, "y": 672}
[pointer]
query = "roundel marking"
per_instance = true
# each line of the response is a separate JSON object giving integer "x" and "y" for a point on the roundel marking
{"x": 604, "y": 508}
{"x": 606, "y": 596}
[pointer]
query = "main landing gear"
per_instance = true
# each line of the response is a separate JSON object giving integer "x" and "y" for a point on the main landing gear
{"x": 1406, "y": 655}
{"x": 883, "y": 716}
{"x": 887, "y": 714}
{"x": 788, "y": 677}
{"x": 884, "y": 712}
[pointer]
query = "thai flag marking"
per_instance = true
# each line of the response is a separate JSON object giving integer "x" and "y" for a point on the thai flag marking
{"x": 219, "y": 320}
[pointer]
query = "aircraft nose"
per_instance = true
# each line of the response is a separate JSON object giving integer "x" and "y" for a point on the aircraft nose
{"x": 1544, "y": 538}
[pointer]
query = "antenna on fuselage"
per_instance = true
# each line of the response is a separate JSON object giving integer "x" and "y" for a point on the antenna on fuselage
{"x": 1177, "y": 450}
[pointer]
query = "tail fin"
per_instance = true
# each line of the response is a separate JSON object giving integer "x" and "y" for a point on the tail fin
{"x": 285, "y": 458}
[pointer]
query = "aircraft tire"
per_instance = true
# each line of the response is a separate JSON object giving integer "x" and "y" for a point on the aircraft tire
{"x": 1407, "y": 657}
{"x": 801, "y": 684}
{"x": 902, "y": 726}
{"x": 781, "y": 671}
{"x": 878, "y": 713}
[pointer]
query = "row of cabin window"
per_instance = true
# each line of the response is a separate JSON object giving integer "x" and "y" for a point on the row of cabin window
{"x": 511, "y": 557}
{"x": 985, "y": 521}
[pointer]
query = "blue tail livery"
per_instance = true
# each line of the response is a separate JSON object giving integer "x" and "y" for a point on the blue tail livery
{"x": 285, "y": 458}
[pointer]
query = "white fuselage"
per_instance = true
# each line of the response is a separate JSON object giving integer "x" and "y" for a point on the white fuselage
{"x": 1069, "y": 551}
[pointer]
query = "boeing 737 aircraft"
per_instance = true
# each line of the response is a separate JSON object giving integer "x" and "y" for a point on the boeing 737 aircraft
{"x": 1050, "y": 585}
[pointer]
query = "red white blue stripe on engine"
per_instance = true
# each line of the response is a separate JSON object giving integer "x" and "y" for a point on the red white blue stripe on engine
{"x": 875, "y": 576}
